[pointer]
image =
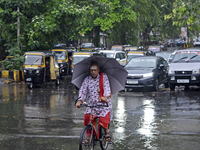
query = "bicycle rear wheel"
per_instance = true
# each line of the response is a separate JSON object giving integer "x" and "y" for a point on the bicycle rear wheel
{"x": 86, "y": 142}
{"x": 103, "y": 142}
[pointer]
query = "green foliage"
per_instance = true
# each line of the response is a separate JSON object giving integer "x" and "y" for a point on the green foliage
{"x": 14, "y": 61}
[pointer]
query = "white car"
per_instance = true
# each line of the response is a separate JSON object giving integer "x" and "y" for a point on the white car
{"x": 120, "y": 56}
{"x": 196, "y": 42}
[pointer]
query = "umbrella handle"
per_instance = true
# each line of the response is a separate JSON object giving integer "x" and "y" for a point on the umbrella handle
{"x": 76, "y": 101}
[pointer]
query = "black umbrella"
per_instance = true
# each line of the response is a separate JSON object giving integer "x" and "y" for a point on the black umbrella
{"x": 115, "y": 72}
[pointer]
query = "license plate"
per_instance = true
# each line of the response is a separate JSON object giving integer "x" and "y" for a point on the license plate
{"x": 183, "y": 81}
{"x": 28, "y": 79}
{"x": 132, "y": 81}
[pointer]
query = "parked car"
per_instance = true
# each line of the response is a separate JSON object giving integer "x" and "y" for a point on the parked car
{"x": 146, "y": 72}
{"x": 64, "y": 62}
{"x": 132, "y": 54}
{"x": 40, "y": 67}
{"x": 79, "y": 56}
{"x": 179, "y": 42}
{"x": 154, "y": 48}
{"x": 87, "y": 45}
{"x": 117, "y": 48}
{"x": 130, "y": 48}
{"x": 164, "y": 54}
{"x": 196, "y": 42}
{"x": 169, "y": 43}
{"x": 184, "y": 69}
{"x": 120, "y": 56}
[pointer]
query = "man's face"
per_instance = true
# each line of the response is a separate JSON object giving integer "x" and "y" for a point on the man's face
{"x": 94, "y": 71}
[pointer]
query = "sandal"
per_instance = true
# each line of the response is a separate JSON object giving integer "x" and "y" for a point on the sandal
{"x": 86, "y": 142}
{"x": 108, "y": 136}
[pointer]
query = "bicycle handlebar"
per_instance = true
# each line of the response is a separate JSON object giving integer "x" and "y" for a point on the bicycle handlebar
{"x": 91, "y": 106}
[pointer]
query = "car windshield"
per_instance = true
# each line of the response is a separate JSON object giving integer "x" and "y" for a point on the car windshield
{"x": 131, "y": 48}
{"x": 33, "y": 60}
{"x": 110, "y": 55}
{"x": 117, "y": 48}
{"x": 77, "y": 59}
{"x": 197, "y": 40}
{"x": 140, "y": 62}
{"x": 153, "y": 47}
{"x": 163, "y": 55}
{"x": 129, "y": 57}
{"x": 61, "y": 55}
{"x": 186, "y": 56}
{"x": 87, "y": 45}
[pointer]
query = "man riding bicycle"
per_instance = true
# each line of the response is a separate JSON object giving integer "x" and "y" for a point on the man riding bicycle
{"x": 96, "y": 88}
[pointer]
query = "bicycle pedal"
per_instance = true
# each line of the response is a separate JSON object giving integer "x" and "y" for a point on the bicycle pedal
{"x": 111, "y": 142}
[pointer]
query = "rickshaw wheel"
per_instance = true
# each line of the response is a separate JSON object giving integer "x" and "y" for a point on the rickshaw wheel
{"x": 30, "y": 86}
{"x": 57, "y": 81}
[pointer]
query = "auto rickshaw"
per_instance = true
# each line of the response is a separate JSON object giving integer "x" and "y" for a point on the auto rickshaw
{"x": 64, "y": 62}
{"x": 40, "y": 67}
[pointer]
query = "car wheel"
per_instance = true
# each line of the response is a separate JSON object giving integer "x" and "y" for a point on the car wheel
{"x": 166, "y": 85}
{"x": 57, "y": 81}
{"x": 30, "y": 85}
{"x": 172, "y": 87}
{"x": 187, "y": 87}
{"x": 156, "y": 85}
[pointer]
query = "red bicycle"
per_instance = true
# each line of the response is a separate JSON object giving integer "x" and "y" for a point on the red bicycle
{"x": 91, "y": 134}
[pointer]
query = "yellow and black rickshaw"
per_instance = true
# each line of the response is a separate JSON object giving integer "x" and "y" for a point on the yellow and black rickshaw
{"x": 40, "y": 67}
{"x": 64, "y": 61}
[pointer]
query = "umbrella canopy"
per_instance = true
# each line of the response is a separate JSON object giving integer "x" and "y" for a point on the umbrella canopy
{"x": 115, "y": 72}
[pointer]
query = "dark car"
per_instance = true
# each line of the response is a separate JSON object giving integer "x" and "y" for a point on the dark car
{"x": 169, "y": 43}
{"x": 179, "y": 42}
{"x": 184, "y": 69}
{"x": 164, "y": 54}
{"x": 146, "y": 72}
{"x": 154, "y": 48}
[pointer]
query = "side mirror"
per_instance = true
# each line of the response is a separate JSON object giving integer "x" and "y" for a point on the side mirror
{"x": 117, "y": 59}
{"x": 161, "y": 66}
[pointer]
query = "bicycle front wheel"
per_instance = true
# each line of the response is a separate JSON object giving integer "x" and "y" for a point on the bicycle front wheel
{"x": 86, "y": 141}
{"x": 103, "y": 142}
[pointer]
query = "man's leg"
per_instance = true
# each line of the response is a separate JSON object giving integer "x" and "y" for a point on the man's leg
{"x": 104, "y": 122}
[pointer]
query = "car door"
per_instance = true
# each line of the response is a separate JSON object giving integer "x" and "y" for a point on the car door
{"x": 122, "y": 59}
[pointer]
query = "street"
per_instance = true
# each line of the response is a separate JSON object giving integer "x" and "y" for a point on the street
{"x": 45, "y": 118}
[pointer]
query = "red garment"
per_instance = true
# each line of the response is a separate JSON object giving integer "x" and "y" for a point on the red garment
{"x": 103, "y": 121}
{"x": 101, "y": 85}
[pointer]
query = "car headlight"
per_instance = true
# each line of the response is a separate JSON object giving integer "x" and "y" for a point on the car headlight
{"x": 61, "y": 65}
{"x": 148, "y": 74}
{"x": 37, "y": 71}
{"x": 196, "y": 71}
{"x": 171, "y": 72}
{"x": 24, "y": 71}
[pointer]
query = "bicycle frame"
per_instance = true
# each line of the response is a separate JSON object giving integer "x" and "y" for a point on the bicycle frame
{"x": 92, "y": 117}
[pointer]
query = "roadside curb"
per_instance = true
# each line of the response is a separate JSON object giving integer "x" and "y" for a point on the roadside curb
{"x": 16, "y": 75}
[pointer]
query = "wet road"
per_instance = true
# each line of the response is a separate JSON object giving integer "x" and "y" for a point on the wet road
{"x": 45, "y": 118}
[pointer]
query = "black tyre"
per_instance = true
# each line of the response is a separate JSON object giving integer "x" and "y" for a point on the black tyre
{"x": 57, "y": 81}
{"x": 172, "y": 87}
{"x": 103, "y": 142}
{"x": 187, "y": 88}
{"x": 30, "y": 85}
{"x": 84, "y": 137}
{"x": 166, "y": 85}
{"x": 156, "y": 85}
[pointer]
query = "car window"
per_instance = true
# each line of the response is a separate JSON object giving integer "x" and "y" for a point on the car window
{"x": 110, "y": 55}
{"x": 117, "y": 56}
{"x": 122, "y": 56}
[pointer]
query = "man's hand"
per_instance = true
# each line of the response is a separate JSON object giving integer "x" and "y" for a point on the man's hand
{"x": 78, "y": 104}
{"x": 103, "y": 99}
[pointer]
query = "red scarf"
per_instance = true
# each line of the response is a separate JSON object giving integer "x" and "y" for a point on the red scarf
{"x": 101, "y": 85}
